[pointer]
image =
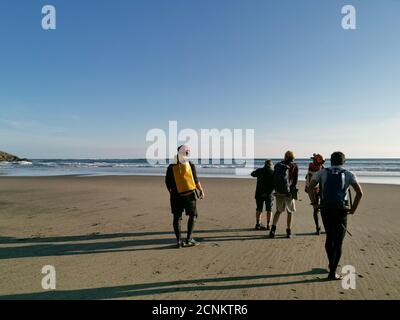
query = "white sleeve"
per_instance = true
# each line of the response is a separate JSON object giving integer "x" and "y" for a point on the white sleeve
{"x": 353, "y": 179}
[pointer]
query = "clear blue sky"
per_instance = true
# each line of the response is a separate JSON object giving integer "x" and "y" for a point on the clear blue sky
{"x": 115, "y": 69}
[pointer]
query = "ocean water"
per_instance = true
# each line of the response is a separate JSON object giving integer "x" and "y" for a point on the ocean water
{"x": 383, "y": 171}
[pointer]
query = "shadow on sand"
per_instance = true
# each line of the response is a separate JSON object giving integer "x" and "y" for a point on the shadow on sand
{"x": 59, "y": 246}
{"x": 146, "y": 289}
{"x": 95, "y": 236}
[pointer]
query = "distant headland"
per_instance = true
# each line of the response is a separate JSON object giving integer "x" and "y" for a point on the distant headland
{"x": 4, "y": 156}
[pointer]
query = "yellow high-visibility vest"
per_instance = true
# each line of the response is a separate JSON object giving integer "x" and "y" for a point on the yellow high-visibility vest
{"x": 184, "y": 177}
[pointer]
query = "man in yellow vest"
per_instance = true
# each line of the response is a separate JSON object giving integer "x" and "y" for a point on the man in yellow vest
{"x": 182, "y": 183}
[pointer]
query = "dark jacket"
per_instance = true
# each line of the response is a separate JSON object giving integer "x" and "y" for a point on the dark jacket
{"x": 170, "y": 179}
{"x": 265, "y": 181}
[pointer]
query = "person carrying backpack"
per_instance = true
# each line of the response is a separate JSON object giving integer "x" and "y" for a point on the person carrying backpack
{"x": 314, "y": 193}
{"x": 264, "y": 189}
{"x": 182, "y": 183}
{"x": 334, "y": 183}
{"x": 285, "y": 181}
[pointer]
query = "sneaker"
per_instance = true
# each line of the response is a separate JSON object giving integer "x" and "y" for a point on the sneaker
{"x": 334, "y": 276}
{"x": 179, "y": 245}
{"x": 288, "y": 233}
{"x": 191, "y": 243}
{"x": 272, "y": 232}
{"x": 260, "y": 226}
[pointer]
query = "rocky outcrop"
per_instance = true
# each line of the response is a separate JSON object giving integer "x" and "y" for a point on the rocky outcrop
{"x": 4, "y": 156}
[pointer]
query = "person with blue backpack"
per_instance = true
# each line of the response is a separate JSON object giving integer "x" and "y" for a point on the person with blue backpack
{"x": 285, "y": 181}
{"x": 335, "y": 206}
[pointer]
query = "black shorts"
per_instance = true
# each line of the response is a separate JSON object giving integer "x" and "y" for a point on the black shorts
{"x": 269, "y": 201}
{"x": 185, "y": 203}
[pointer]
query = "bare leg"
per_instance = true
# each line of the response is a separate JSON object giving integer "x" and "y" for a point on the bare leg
{"x": 289, "y": 225}
{"x": 316, "y": 219}
{"x": 269, "y": 213}
{"x": 258, "y": 215}
{"x": 289, "y": 220}
{"x": 276, "y": 218}
{"x": 274, "y": 223}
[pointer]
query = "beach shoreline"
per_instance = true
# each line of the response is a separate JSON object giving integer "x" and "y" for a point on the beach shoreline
{"x": 110, "y": 237}
{"x": 376, "y": 171}
{"x": 301, "y": 179}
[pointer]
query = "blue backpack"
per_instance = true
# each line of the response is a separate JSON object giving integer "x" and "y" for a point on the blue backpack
{"x": 333, "y": 194}
{"x": 281, "y": 178}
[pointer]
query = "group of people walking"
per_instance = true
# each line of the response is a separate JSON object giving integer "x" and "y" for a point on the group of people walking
{"x": 327, "y": 188}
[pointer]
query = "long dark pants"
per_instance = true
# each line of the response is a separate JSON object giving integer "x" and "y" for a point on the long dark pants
{"x": 178, "y": 229}
{"x": 180, "y": 204}
{"x": 335, "y": 224}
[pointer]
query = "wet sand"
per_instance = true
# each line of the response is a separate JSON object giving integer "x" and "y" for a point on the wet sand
{"x": 111, "y": 238}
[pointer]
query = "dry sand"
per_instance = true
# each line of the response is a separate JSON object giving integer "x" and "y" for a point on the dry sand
{"x": 111, "y": 238}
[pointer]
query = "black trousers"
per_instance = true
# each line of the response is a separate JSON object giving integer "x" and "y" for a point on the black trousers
{"x": 335, "y": 224}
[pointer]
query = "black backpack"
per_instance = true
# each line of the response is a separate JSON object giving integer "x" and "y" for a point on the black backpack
{"x": 333, "y": 194}
{"x": 281, "y": 178}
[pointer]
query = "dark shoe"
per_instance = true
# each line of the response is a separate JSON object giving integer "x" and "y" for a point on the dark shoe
{"x": 260, "y": 226}
{"x": 288, "y": 233}
{"x": 268, "y": 228}
{"x": 318, "y": 232}
{"x": 191, "y": 243}
{"x": 334, "y": 276}
{"x": 272, "y": 232}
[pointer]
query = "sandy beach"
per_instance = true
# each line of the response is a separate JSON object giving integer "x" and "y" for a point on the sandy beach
{"x": 111, "y": 238}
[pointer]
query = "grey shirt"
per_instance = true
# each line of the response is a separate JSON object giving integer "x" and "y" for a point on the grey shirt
{"x": 349, "y": 177}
